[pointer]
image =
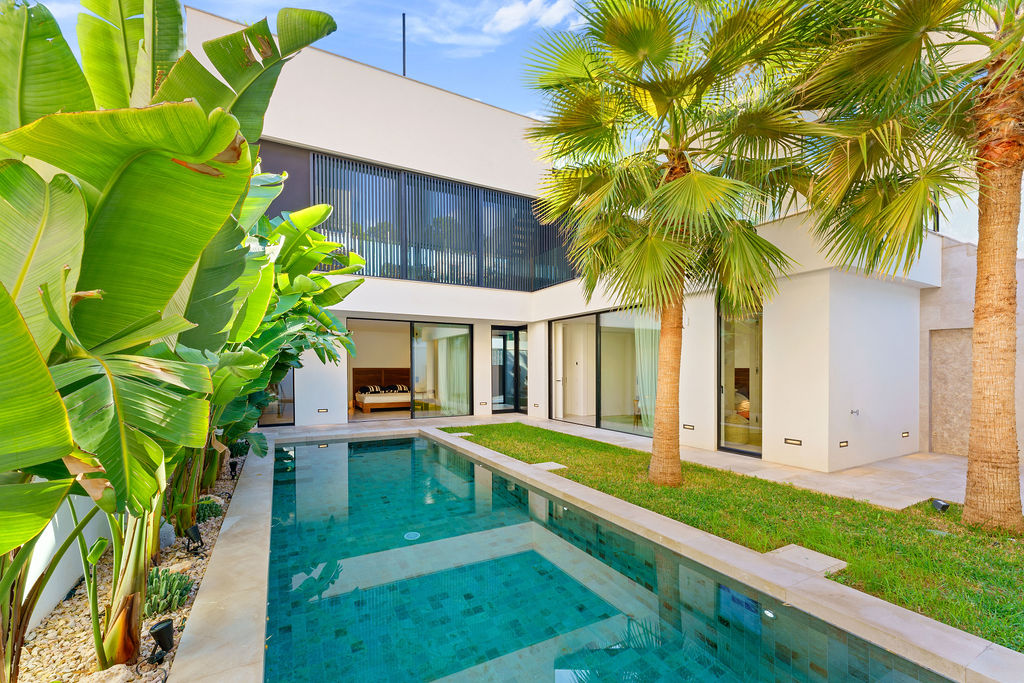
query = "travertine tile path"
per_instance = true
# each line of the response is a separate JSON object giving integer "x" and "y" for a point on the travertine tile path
{"x": 895, "y": 483}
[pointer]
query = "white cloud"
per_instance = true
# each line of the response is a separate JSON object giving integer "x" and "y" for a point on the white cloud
{"x": 515, "y": 15}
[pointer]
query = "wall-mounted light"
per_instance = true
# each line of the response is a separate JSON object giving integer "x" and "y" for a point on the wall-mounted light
{"x": 483, "y": 403}
{"x": 321, "y": 445}
{"x": 321, "y": 410}
{"x": 905, "y": 434}
{"x": 793, "y": 442}
{"x": 690, "y": 427}
{"x": 844, "y": 444}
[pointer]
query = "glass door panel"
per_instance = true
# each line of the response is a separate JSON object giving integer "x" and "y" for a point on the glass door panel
{"x": 740, "y": 385}
{"x": 629, "y": 371}
{"x": 282, "y": 410}
{"x": 521, "y": 381}
{"x": 503, "y": 370}
{"x": 441, "y": 369}
{"x": 508, "y": 369}
{"x": 574, "y": 370}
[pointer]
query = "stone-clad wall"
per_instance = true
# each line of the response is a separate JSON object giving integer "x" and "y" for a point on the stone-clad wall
{"x": 947, "y": 316}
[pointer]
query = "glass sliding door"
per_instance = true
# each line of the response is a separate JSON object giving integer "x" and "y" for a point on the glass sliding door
{"x": 521, "y": 381}
{"x": 574, "y": 370}
{"x": 441, "y": 369}
{"x": 508, "y": 369}
{"x": 740, "y": 385}
{"x": 629, "y": 371}
{"x": 282, "y": 410}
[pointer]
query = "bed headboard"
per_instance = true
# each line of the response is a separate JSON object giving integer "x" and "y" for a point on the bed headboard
{"x": 382, "y": 376}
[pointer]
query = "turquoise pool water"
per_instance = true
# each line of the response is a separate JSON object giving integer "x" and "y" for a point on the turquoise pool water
{"x": 401, "y": 560}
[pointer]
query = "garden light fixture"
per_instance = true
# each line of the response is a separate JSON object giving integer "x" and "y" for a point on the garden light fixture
{"x": 940, "y": 505}
{"x": 162, "y": 633}
{"x": 193, "y": 538}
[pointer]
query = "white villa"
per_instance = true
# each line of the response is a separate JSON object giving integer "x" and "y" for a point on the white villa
{"x": 469, "y": 305}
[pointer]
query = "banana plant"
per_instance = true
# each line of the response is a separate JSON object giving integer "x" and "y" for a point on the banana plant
{"x": 248, "y": 63}
{"x": 128, "y": 196}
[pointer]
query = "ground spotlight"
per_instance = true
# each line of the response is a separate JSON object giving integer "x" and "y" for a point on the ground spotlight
{"x": 162, "y": 633}
{"x": 940, "y": 505}
{"x": 193, "y": 539}
{"x": 233, "y": 468}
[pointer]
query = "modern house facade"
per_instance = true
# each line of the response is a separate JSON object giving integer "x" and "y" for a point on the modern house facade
{"x": 471, "y": 307}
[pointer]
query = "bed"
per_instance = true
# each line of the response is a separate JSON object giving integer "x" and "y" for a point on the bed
{"x": 381, "y": 377}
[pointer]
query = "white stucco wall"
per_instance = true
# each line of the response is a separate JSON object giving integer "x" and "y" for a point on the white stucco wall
{"x": 698, "y": 374}
{"x": 795, "y": 359}
{"x": 320, "y": 386}
{"x": 873, "y": 370}
{"x": 324, "y": 101}
{"x": 69, "y": 569}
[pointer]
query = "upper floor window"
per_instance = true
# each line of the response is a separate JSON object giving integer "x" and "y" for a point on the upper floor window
{"x": 418, "y": 227}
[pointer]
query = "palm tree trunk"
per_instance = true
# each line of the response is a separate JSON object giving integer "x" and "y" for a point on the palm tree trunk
{"x": 665, "y": 468}
{"x": 993, "y": 471}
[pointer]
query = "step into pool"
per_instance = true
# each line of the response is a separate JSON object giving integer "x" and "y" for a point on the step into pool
{"x": 402, "y": 560}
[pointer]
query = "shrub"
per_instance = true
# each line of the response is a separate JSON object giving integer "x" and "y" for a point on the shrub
{"x": 238, "y": 448}
{"x": 166, "y": 591}
{"x": 208, "y": 509}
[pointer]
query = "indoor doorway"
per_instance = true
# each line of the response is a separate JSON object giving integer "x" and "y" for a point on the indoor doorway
{"x": 508, "y": 369}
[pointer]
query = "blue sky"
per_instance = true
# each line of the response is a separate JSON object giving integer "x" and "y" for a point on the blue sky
{"x": 476, "y": 49}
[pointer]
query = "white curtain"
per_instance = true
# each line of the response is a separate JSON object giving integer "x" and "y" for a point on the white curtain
{"x": 646, "y": 333}
{"x": 454, "y": 356}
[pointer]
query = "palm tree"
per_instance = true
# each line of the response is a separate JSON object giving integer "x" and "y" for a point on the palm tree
{"x": 924, "y": 100}
{"x": 664, "y": 134}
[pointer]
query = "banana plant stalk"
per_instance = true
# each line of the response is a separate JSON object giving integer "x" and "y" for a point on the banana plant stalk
{"x": 122, "y": 622}
{"x": 90, "y": 560}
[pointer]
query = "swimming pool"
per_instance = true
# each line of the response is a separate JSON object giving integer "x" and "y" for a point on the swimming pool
{"x": 402, "y": 560}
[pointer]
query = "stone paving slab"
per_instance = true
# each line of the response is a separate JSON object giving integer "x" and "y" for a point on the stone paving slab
{"x": 813, "y": 560}
{"x": 549, "y": 466}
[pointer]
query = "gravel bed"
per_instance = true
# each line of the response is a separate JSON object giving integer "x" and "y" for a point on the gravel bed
{"x": 60, "y": 648}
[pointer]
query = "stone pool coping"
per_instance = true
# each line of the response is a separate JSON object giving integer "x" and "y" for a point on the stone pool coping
{"x": 224, "y": 637}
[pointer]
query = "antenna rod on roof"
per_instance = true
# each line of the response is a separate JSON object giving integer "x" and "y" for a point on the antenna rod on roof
{"x": 403, "y": 43}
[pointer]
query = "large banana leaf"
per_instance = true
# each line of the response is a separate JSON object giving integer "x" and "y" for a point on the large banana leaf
{"x": 38, "y": 72}
{"x": 34, "y": 426}
{"x": 34, "y": 429}
{"x": 254, "y": 308}
{"x": 114, "y": 405}
{"x": 26, "y": 509}
{"x": 169, "y": 177}
{"x": 249, "y": 62}
{"x": 43, "y": 232}
{"x": 225, "y": 275}
{"x": 127, "y": 46}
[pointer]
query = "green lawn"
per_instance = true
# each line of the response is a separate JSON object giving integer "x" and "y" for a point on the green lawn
{"x": 969, "y": 578}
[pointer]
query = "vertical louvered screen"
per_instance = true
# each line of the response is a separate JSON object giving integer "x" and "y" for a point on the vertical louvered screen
{"x": 418, "y": 227}
{"x": 365, "y": 217}
{"x": 440, "y": 216}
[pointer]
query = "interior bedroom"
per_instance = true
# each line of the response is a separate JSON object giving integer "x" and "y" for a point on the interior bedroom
{"x": 380, "y": 374}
